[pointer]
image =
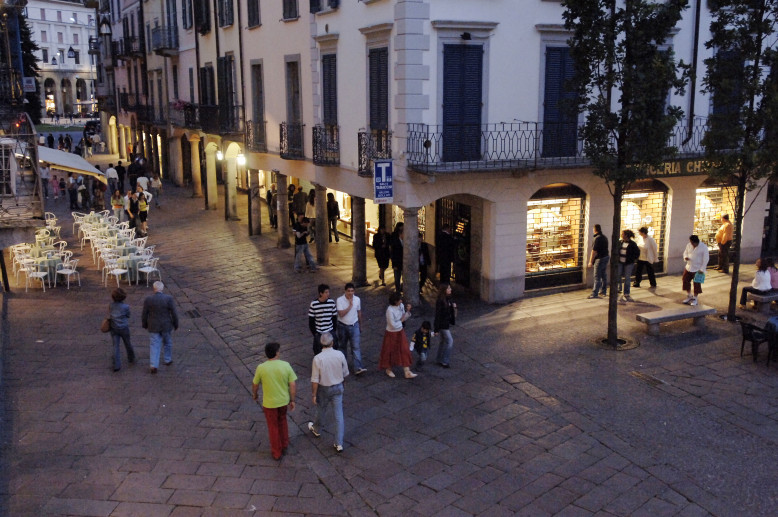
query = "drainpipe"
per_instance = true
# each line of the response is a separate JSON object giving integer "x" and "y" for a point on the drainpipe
{"x": 693, "y": 74}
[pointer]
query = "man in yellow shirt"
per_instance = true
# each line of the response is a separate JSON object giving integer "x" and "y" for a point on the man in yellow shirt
{"x": 278, "y": 394}
{"x": 724, "y": 239}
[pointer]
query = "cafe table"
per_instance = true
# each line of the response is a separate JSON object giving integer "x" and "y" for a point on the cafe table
{"x": 131, "y": 263}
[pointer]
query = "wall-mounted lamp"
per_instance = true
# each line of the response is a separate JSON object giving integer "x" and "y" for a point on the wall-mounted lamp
{"x": 219, "y": 155}
{"x": 241, "y": 159}
{"x": 71, "y": 53}
{"x": 466, "y": 36}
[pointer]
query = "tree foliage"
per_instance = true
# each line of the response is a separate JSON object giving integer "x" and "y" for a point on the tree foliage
{"x": 624, "y": 73}
{"x": 742, "y": 78}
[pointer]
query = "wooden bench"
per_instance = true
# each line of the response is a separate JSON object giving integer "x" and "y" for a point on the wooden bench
{"x": 653, "y": 319}
{"x": 763, "y": 301}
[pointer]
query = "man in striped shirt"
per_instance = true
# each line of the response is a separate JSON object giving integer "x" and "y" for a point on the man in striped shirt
{"x": 322, "y": 317}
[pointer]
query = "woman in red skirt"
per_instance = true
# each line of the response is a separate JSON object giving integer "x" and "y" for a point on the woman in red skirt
{"x": 395, "y": 350}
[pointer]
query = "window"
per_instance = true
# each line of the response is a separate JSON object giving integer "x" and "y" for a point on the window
{"x": 254, "y": 18}
{"x": 43, "y": 14}
{"x": 75, "y": 18}
{"x": 186, "y": 14}
{"x": 379, "y": 88}
{"x": 59, "y": 16}
{"x": 225, "y": 68}
{"x": 462, "y": 99}
{"x": 294, "y": 112}
{"x": 174, "y": 72}
{"x": 75, "y": 39}
{"x": 726, "y": 101}
{"x": 77, "y": 57}
{"x": 202, "y": 16}
{"x": 259, "y": 93}
{"x": 226, "y": 17}
{"x": 560, "y": 125}
{"x": 290, "y": 10}
{"x": 60, "y": 38}
{"x": 329, "y": 87}
{"x": 45, "y": 55}
{"x": 191, "y": 85}
{"x": 207, "y": 86}
{"x": 44, "y": 37}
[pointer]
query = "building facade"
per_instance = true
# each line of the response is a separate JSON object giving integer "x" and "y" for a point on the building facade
{"x": 463, "y": 96}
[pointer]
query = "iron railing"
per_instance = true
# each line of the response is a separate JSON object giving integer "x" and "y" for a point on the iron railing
{"x": 164, "y": 40}
{"x": 256, "y": 136}
{"x": 518, "y": 145}
{"x": 221, "y": 120}
{"x": 374, "y": 144}
{"x": 326, "y": 144}
{"x": 151, "y": 115}
{"x": 187, "y": 116}
{"x": 292, "y": 141}
{"x": 129, "y": 101}
{"x": 134, "y": 46}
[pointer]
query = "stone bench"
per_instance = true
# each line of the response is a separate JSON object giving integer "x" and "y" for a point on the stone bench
{"x": 763, "y": 301}
{"x": 653, "y": 319}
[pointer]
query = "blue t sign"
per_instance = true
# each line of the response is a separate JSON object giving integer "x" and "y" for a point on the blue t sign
{"x": 384, "y": 186}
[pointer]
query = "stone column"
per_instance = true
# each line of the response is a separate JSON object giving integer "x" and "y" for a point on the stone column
{"x": 176, "y": 172}
{"x": 230, "y": 190}
{"x": 411, "y": 255}
{"x": 255, "y": 210}
{"x": 112, "y": 139}
{"x": 283, "y": 210}
{"x": 359, "y": 250}
{"x": 212, "y": 194}
{"x": 122, "y": 143}
{"x": 197, "y": 183}
{"x": 322, "y": 242}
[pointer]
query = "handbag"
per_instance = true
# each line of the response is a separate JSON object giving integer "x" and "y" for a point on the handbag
{"x": 106, "y": 325}
{"x": 699, "y": 277}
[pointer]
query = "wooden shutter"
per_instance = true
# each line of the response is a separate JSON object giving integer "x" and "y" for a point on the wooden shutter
{"x": 379, "y": 88}
{"x": 329, "y": 89}
{"x": 560, "y": 126}
{"x": 462, "y": 101}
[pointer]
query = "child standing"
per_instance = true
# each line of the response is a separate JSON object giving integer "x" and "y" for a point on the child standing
{"x": 55, "y": 186}
{"x": 421, "y": 343}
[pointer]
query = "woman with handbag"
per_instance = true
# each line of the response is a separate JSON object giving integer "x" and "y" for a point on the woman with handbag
{"x": 445, "y": 316}
{"x": 119, "y": 315}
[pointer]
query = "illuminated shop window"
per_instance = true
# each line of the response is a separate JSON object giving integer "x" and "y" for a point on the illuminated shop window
{"x": 712, "y": 202}
{"x": 555, "y": 224}
{"x": 645, "y": 204}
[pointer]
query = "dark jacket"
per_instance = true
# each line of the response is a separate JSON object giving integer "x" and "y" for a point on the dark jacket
{"x": 447, "y": 248}
{"x": 633, "y": 252}
{"x": 159, "y": 313}
{"x": 120, "y": 315}
{"x": 424, "y": 254}
{"x": 382, "y": 248}
{"x": 600, "y": 246}
{"x": 444, "y": 314}
{"x": 333, "y": 210}
{"x": 397, "y": 251}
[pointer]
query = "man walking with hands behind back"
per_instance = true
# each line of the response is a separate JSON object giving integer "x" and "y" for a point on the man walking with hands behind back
{"x": 278, "y": 393}
{"x": 724, "y": 240}
{"x": 327, "y": 374}
{"x": 160, "y": 319}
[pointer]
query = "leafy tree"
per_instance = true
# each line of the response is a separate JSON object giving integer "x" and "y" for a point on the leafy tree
{"x": 742, "y": 78}
{"x": 30, "y": 64}
{"x": 623, "y": 77}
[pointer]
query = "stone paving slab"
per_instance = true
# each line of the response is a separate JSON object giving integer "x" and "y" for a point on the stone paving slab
{"x": 532, "y": 419}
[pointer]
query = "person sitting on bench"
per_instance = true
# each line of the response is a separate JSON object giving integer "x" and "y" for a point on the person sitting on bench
{"x": 760, "y": 284}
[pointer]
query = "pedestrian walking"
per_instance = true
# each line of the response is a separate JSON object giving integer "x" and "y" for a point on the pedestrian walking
{"x": 445, "y": 316}
{"x": 349, "y": 307}
{"x": 599, "y": 261}
{"x": 133, "y": 208}
{"x": 397, "y": 255}
{"x": 112, "y": 176}
{"x": 310, "y": 213}
{"x": 68, "y": 142}
{"x": 72, "y": 191}
{"x": 648, "y": 256}
{"x": 117, "y": 205}
{"x": 121, "y": 172}
{"x": 424, "y": 261}
{"x": 272, "y": 211}
{"x": 328, "y": 372}
{"x": 160, "y": 319}
{"x": 420, "y": 343}
{"x": 395, "y": 350}
{"x": 760, "y": 285}
{"x": 724, "y": 240}
{"x": 628, "y": 255}
{"x": 300, "y": 200}
{"x": 301, "y": 250}
{"x": 156, "y": 188}
{"x": 279, "y": 390}
{"x": 290, "y": 204}
{"x": 50, "y": 141}
{"x": 696, "y": 256}
{"x": 45, "y": 173}
{"x": 333, "y": 215}
{"x": 383, "y": 251}
{"x": 55, "y": 186}
{"x": 119, "y": 313}
{"x": 322, "y": 317}
{"x": 143, "y": 214}
{"x": 61, "y": 143}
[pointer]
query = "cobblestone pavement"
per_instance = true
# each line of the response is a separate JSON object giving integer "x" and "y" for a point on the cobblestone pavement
{"x": 533, "y": 418}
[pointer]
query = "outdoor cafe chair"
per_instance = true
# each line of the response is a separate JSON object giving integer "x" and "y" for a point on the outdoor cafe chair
{"x": 78, "y": 219}
{"x": 33, "y": 271}
{"x": 139, "y": 242}
{"x": 50, "y": 216}
{"x": 755, "y": 335}
{"x": 112, "y": 269}
{"x": 148, "y": 267}
{"x": 69, "y": 269}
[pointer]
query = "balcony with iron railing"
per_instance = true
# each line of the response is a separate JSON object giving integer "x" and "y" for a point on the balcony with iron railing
{"x": 292, "y": 141}
{"x": 434, "y": 149}
{"x": 375, "y": 144}
{"x": 164, "y": 41}
{"x": 326, "y": 144}
{"x": 129, "y": 101}
{"x": 221, "y": 120}
{"x": 154, "y": 115}
{"x": 185, "y": 115}
{"x": 134, "y": 46}
{"x": 256, "y": 136}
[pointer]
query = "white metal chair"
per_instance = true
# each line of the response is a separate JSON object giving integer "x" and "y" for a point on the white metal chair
{"x": 69, "y": 269}
{"x": 78, "y": 219}
{"x": 139, "y": 242}
{"x": 112, "y": 268}
{"x": 148, "y": 267}
{"x": 34, "y": 271}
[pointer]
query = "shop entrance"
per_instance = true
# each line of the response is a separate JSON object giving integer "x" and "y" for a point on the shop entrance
{"x": 645, "y": 204}
{"x": 713, "y": 201}
{"x": 458, "y": 217}
{"x": 555, "y": 237}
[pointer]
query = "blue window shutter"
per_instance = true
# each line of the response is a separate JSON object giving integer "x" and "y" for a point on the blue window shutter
{"x": 462, "y": 100}
{"x": 560, "y": 127}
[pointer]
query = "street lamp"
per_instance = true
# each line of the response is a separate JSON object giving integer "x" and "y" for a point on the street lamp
{"x": 219, "y": 155}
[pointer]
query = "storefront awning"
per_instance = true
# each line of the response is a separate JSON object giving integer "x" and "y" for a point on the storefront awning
{"x": 69, "y": 162}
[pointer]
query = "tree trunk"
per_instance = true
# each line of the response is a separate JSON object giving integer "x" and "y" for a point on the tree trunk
{"x": 613, "y": 293}
{"x": 739, "y": 213}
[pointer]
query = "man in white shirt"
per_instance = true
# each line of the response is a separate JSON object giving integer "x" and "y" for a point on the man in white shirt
{"x": 45, "y": 178}
{"x": 696, "y": 257}
{"x": 113, "y": 178}
{"x": 349, "y": 308}
{"x": 327, "y": 374}
{"x": 143, "y": 181}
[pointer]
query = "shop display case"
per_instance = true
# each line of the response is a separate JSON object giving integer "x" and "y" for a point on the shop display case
{"x": 711, "y": 204}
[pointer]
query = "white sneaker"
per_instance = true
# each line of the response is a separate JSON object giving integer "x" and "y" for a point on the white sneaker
{"x": 688, "y": 299}
{"x": 622, "y": 299}
{"x": 693, "y": 301}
